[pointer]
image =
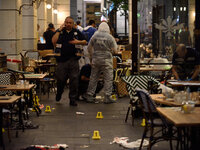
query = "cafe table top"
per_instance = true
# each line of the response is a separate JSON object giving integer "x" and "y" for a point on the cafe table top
{"x": 160, "y": 98}
{"x": 52, "y": 55}
{"x": 180, "y": 119}
{"x": 153, "y": 69}
{"x": 16, "y": 87}
{"x": 9, "y": 99}
{"x": 176, "y": 83}
{"x": 125, "y": 64}
{"x": 34, "y": 76}
{"x": 42, "y": 61}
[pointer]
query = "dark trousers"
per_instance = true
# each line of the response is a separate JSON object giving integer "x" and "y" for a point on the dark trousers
{"x": 68, "y": 70}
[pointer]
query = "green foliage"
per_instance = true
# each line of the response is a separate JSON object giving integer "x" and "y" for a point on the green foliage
{"x": 120, "y": 5}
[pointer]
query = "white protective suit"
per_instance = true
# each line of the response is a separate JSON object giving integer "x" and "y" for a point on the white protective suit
{"x": 101, "y": 47}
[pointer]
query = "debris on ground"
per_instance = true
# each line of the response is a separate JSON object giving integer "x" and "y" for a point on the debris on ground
{"x": 46, "y": 147}
{"x": 80, "y": 113}
{"x": 123, "y": 141}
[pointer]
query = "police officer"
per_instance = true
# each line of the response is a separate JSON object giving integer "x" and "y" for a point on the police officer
{"x": 68, "y": 66}
{"x": 186, "y": 63}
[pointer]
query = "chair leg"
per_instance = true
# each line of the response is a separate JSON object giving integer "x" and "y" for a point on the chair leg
{"x": 143, "y": 136}
{"x": 132, "y": 114}
{"x": 49, "y": 87}
{"x": 8, "y": 126}
{"x": 129, "y": 107}
{"x": 151, "y": 137}
{"x": 170, "y": 136}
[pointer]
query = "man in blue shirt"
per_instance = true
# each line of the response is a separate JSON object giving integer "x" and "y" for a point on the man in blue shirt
{"x": 88, "y": 33}
{"x": 89, "y": 30}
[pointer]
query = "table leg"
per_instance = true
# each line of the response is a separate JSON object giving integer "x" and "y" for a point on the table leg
{"x": 1, "y": 126}
{"x": 20, "y": 115}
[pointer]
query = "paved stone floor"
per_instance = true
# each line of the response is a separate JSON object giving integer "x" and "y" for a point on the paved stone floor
{"x": 64, "y": 126}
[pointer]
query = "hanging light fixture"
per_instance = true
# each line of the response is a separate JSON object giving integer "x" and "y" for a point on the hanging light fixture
{"x": 48, "y": 6}
{"x": 174, "y": 8}
{"x": 55, "y": 11}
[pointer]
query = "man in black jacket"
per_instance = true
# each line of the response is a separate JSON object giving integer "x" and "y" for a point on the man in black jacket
{"x": 68, "y": 66}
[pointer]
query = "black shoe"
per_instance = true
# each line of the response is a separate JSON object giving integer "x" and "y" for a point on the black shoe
{"x": 58, "y": 97}
{"x": 73, "y": 103}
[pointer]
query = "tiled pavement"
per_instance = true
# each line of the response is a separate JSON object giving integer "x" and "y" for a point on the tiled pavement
{"x": 64, "y": 126}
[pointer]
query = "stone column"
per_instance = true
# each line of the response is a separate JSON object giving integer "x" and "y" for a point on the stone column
{"x": 63, "y": 7}
{"x": 50, "y": 15}
{"x": 10, "y": 26}
{"x": 29, "y": 32}
{"x": 42, "y": 17}
{"x": 80, "y": 11}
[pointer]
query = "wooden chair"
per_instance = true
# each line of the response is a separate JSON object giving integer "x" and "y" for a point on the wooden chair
{"x": 7, "y": 78}
{"x": 43, "y": 53}
{"x": 50, "y": 80}
{"x": 114, "y": 63}
{"x": 126, "y": 55}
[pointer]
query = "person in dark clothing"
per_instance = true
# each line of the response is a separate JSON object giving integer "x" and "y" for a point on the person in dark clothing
{"x": 84, "y": 78}
{"x": 186, "y": 63}
{"x": 48, "y": 34}
{"x": 68, "y": 66}
{"x": 184, "y": 37}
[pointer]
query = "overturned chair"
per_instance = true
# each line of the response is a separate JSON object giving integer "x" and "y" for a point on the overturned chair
{"x": 138, "y": 81}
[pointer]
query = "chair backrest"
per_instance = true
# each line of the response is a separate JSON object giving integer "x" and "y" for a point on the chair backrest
{"x": 148, "y": 104}
{"x": 33, "y": 55}
{"x": 7, "y": 78}
{"x": 126, "y": 55}
{"x": 43, "y": 53}
{"x": 144, "y": 82}
{"x": 114, "y": 63}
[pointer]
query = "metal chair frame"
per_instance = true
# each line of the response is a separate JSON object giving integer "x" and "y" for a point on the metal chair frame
{"x": 154, "y": 120}
{"x": 137, "y": 81}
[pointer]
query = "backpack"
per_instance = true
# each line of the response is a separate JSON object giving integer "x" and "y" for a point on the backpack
{"x": 86, "y": 35}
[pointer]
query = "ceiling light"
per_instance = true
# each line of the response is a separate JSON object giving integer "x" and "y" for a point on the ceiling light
{"x": 48, "y": 6}
{"x": 55, "y": 11}
{"x": 174, "y": 8}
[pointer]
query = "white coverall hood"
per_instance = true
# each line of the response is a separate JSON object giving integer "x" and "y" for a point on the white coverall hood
{"x": 103, "y": 27}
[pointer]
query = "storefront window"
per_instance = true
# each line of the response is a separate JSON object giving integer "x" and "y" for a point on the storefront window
{"x": 164, "y": 24}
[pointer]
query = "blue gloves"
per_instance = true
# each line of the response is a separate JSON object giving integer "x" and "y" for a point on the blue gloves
{"x": 190, "y": 79}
